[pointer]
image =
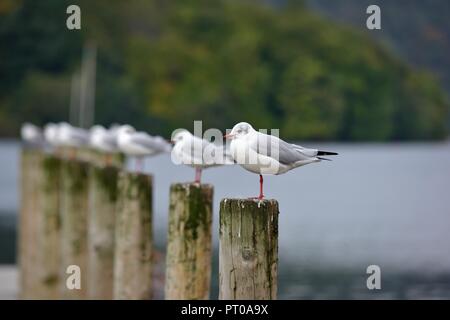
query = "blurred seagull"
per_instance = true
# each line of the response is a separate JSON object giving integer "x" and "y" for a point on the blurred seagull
{"x": 70, "y": 136}
{"x": 103, "y": 139}
{"x": 266, "y": 154}
{"x": 140, "y": 144}
{"x": 32, "y": 135}
{"x": 51, "y": 134}
{"x": 198, "y": 153}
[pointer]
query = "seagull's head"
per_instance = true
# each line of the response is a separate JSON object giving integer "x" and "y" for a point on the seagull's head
{"x": 240, "y": 130}
{"x": 97, "y": 128}
{"x": 180, "y": 135}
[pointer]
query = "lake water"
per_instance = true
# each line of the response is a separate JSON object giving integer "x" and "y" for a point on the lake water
{"x": 382, "y": 204}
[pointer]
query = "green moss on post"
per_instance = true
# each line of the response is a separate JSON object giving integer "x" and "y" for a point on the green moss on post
{"x": 133, "y": 237}
{"x": 49, "y": 221}
{"x": 28, "y": 221}
{"x": 74, "y": 215}
{"x": 188, "y": 260}
{"x": 101, "y": 222}
{"x": 248, "y": 251}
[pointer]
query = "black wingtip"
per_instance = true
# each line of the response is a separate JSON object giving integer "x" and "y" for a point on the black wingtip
{"x": 321, "y": 158}
{"x": 326, "y": 153}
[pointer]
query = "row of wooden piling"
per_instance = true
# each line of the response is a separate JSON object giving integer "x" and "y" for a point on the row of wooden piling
{"x": 77, "y": 211}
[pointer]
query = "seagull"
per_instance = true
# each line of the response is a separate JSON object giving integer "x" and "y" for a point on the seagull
{"x": 32, "y": 135}
{"x": 70, "y": 136}
{"x": 51, "y": 134}
{"x": 140, "y": 144}
{"x": 198, "y": 153}
{"x": 103, "y": 139}
{"x": 266, "y": 154}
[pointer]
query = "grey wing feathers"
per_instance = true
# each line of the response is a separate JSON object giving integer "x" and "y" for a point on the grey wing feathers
{"x": 286, "y": 153}
{"x": 146, "y": 141}
{"x": 111, "y": 140}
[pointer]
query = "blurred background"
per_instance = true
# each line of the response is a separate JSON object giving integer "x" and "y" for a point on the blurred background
{"x": 310, "y": 68}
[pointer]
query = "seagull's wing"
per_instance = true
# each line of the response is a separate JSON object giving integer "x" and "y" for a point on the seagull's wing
{"x": 194, "y": 148}
{"x": 80, "y": 135}
{"x": 111, "y": 139}
{"x": 285, "y": 153}
{"x": 145, "y": 140}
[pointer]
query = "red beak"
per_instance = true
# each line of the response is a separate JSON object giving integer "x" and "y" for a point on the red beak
{"x": 228, "y": 136}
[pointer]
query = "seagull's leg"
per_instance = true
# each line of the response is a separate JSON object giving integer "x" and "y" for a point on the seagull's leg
{"x": 261, "y": 182}
{"x": 140, "y": 166}
{"x": 198, "y": 175}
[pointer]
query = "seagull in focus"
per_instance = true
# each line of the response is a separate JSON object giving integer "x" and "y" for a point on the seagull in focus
{"x": 140, "y": 144}
{"x": 198, "y": 153}
{"x": 32, "y": 135}
{"x": 266, "y": 154}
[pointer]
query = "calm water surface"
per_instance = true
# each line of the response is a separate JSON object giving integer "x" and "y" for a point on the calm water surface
{"x": 383, "y": 204}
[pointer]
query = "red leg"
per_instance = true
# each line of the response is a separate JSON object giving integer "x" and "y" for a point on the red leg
{"x": 139, "y": 164}
{"x": 261, "y": 181}
{"x": 198, "y": 175}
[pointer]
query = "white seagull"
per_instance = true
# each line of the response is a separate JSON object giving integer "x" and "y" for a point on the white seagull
{"x": 32, "y": 135}
{"x": 70, "y": 136}
{"x": 140, "y": 144}
{"x": 51, "y": 134}
{"x": 198, "y": 153}
{"x": 266, "y": 154}
{"x": 103, "y": 139}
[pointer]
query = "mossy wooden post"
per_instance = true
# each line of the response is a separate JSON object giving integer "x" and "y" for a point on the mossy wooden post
{"x": 133, "y": 241}
{"x": 48, "y": 264}
{"x": 248, "y": 249}
{"x": 101, "y": 222}
{"x": 74, "y": 214}
{"x": 188, "y": 260}
{"x": 28, "y": 216}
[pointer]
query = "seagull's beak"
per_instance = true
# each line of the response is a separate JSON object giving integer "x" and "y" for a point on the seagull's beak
{"x": 171, "y": 141}
{"x": 228, "y": 136}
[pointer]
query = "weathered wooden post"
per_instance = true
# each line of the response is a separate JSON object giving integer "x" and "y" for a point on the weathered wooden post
{"x": 28, "y": 216}
{"x": 248, "y": 249}
{"x": 133, "y": 241}
{"x": 101, "y": 232}
{"x": 48, "y": 263}
{"x": 74, "y": 214}
{"x": 188, "y": 260}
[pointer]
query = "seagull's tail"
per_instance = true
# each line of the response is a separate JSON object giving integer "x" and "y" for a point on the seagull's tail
{"x": 326, "y": 153}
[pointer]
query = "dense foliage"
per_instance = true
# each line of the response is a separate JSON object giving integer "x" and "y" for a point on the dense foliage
{"x": 163, "y": 64}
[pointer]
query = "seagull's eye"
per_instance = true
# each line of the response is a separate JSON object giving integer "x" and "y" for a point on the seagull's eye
{"x": 239, "y": 131}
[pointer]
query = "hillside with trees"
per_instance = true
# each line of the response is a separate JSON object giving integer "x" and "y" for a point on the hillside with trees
{"x": 163, "y": 64}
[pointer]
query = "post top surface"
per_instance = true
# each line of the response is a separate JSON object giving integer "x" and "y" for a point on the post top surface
{"x": 185, "y": 185}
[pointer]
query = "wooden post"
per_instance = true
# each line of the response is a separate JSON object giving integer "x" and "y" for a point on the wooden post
{"x": 28, "y": 217}
{"x": 133, "y": 246}
{"x": 74, "y": 214}
{"x": 101, "y": 222}
{"x": 100, "y": 158}
{"x": 248, "y": 249}
{"x": 188, "y": 260}
{"x": 48, "y": 263}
